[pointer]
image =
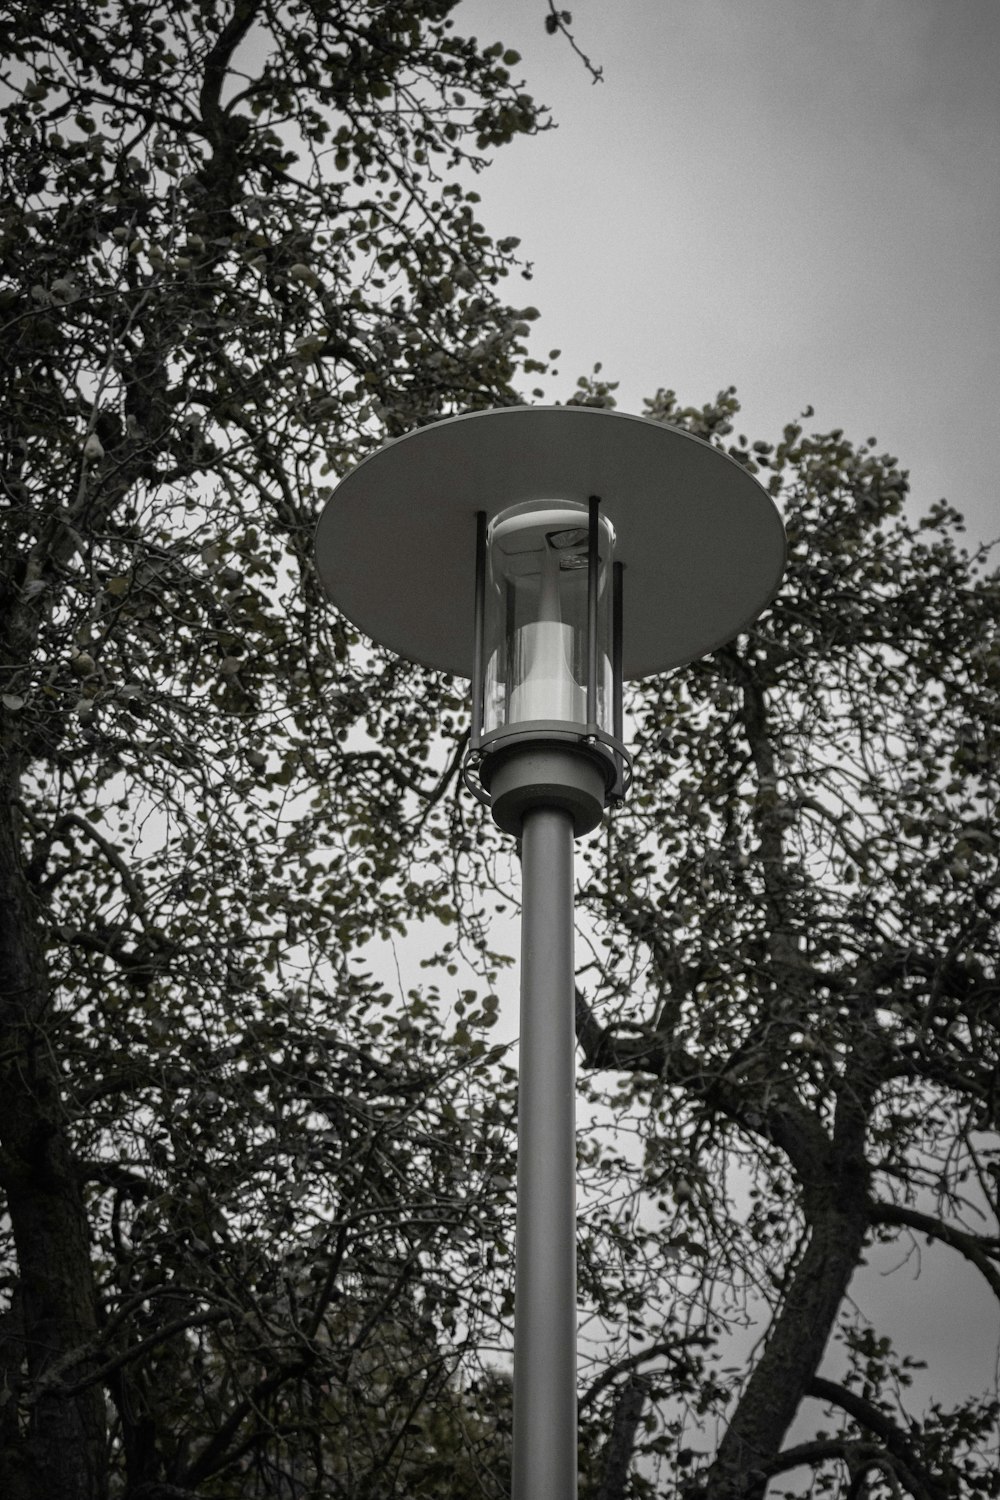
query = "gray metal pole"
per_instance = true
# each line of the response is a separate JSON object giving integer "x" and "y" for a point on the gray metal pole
{"x": 545, "y": 1284}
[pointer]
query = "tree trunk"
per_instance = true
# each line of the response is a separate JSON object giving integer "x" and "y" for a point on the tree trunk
{"x": 56, "y": 1449}
{"x": 621, "y": 1444}
{"x": 838, "y": 1220}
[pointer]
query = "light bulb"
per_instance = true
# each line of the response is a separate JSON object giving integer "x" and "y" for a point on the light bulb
{"x": 547, "y": 689}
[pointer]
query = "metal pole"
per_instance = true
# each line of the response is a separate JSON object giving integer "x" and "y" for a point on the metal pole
{"x": 545, "y": 1277}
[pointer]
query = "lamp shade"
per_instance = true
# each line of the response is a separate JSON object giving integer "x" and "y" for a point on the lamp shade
{"x": 701, "y": 541}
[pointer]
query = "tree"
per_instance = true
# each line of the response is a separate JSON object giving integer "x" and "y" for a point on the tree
{"x": 793, "y": 997}
{"x": 240, "y": 246}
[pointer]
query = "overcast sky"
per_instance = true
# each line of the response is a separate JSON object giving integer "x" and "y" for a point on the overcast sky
{"x": 801, "y": 198}
{"x": 798, "y": 197}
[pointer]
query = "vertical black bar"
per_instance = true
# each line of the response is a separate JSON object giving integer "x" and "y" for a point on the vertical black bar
{"x": 617, "y": 623}
{"x": 593, "y": 565}
{"x": 479, "y": 634}
{"x": 509, "y": 663}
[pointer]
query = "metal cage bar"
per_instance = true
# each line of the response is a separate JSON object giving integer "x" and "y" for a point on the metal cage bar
{"x": 479, "y": 636}
{"x": 509, "y": 619}
{"x": 593, "y": 567}
{"x": 617, "y": 622}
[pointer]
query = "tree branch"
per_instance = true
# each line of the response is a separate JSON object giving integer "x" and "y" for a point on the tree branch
{"x": 858, "y": 1458}
{"x": 667, "y": 1349}
{"x": 911, "y": 1469}
{"x": 973, "y": 1248}
{"x": 621, "y": 1442}
{"x": 555, "y": 22}
{"x": 218, "y": 58}
{"x": 53, "y": 1377}
{"x": 782, "y": 1122}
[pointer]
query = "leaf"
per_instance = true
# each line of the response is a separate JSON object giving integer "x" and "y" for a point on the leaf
{"x": 13, "y": 701}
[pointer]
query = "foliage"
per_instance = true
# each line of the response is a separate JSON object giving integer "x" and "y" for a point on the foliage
{"x": 243, "y": 1190}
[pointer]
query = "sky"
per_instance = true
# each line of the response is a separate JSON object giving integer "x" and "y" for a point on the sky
{"x": 800, "y": 198}
{"x": 797, "y": 197}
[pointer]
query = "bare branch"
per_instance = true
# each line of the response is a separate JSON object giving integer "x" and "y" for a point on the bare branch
{"x": 981, "y": 1252}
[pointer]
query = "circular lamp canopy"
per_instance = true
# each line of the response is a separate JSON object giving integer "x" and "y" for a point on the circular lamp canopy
{"x": 701, "y": 541}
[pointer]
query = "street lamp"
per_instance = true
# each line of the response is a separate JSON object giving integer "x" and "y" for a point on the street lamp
{"x": 549, "y": 554}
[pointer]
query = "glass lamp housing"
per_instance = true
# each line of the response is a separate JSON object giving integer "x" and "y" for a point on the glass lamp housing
{"x": 535, "y": 625}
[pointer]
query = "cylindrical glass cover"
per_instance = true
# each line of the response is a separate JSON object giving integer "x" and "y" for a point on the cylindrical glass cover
{"x": 535, "y": 637}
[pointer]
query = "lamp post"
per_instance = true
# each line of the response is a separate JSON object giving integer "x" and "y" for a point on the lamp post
{"x": 549, "y": 554}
